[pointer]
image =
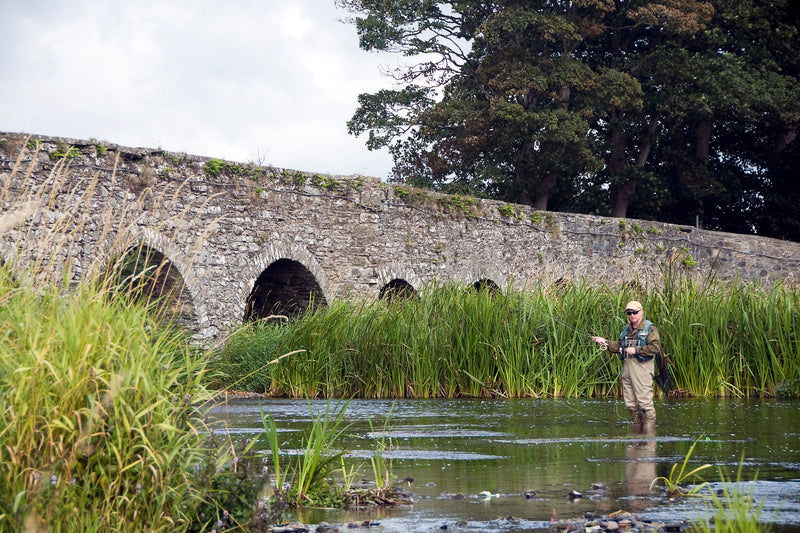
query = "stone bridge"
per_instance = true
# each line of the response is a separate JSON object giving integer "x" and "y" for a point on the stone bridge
{"x": 242, "y": 241}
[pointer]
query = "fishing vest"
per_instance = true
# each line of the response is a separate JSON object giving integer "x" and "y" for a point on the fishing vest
{"x": 641, "y": 340}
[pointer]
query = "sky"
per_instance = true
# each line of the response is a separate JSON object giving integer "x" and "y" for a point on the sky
{"x": 272, "y": 82}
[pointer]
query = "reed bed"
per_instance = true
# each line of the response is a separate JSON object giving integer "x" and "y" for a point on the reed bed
{"x": 102, "y": 419}
{"x": 97, "y": 427}
{"x": 734, "y": 340}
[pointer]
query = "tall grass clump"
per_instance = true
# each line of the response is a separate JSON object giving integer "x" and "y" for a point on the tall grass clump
{"x": 102, "y": 422}
{"x": 732, "y": 511}
{"x": 304, "y": 479}
{"x": 98, "y": 429}
{"x": 449, "y": 341}
{"x": 736, "y": 339}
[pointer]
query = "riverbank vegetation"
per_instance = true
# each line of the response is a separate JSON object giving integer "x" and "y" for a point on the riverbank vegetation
{"x": 104, "y": 399}
{"x": 102, "y": 425}
{"x": 449, "y": 341}
{"x": 98, "y": 425}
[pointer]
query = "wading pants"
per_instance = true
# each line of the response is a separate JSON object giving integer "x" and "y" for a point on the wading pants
{"x": 637, "y": 390}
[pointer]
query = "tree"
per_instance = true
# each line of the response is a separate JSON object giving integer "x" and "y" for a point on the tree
{"x": 491, "y": 108}
{"x": 734, "y": 118}
{"x": 668, "y": 106}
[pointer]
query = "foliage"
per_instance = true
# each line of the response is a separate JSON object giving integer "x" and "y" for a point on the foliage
{"x": 723, "y": 340}
{"x": 674, "y": 112}
{"x": 381, "y": 468}
{"x": 214, "y": 167}
{"x": 305, "y": 478}
{"x": 65, "y": 152}
{"x": 235, "y": 487}
{"x": 732, "y": 511}
{"x": 449, "y": 342}
{"x": 100, "y": 413}
{"x": 240, "y": 365}
{"x": 675, "y": 480}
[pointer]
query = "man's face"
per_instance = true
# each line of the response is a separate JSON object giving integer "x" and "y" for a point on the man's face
{"x": 635, "y": 317}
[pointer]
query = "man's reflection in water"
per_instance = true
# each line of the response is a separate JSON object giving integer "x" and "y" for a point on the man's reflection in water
{"x": 640, "y": 470}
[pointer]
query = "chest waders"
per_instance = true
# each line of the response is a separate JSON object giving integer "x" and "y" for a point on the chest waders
{"x": 637, "y": 384}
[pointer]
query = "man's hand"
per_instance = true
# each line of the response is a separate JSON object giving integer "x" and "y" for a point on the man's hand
{"x": 601, "y": 341}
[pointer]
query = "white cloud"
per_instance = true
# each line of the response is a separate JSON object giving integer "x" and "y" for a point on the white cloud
{"x": 239, "y": 80}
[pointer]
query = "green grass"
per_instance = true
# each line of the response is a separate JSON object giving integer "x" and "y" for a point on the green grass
{"x": 98, "y": 413}
{"x": 732, "y": 511}
{"x": 679, "y": 476}
{"x": 735, "y": 340}
{"x": 305, "y": 479}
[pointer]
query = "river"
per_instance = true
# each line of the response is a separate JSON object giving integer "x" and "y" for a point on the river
{"x": 532, "y": 455}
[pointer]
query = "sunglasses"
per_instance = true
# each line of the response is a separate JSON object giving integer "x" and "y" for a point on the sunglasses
{"x": 631, "y": 312}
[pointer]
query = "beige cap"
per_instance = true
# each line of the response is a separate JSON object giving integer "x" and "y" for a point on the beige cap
{"x": 633, "y": 306}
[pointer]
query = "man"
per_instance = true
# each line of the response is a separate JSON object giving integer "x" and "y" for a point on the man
{"x": 637, "y": 347}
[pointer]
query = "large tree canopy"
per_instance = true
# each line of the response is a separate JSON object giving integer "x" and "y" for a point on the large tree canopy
{"x": 677, "y": 110}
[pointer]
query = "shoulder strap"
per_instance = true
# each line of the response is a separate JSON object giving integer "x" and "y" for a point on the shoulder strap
{"x": 624, "y": 334}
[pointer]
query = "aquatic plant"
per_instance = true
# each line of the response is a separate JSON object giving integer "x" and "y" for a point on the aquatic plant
{"x": 99, "y": 413}
{"x": 674, "y": 482}
{"x": 449, "y": 342}
{"x": 381, "y": 468}
{"x": 731, "y": 510}
{"x": 304, "y": 479}
{"x": 734, "y": 340}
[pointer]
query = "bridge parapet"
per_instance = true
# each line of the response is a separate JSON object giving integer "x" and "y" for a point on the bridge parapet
{"x": 249, "y": 241}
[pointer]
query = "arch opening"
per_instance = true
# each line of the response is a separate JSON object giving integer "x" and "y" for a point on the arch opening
{"x": 397, "y": 290}
{"x": 286, "y": 287}
{"x": 486, "y": 285}
{"x": 145, "y": 274}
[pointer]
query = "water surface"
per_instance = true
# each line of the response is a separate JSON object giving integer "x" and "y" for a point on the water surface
{"x": 454, "y": 450}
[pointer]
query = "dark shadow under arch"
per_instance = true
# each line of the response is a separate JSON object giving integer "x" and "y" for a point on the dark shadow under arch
{"x": 397, "y": 289}
{"x": 145, "y": 274}
{"x": 486, "y": 285}
{"x": 286, "y": 287}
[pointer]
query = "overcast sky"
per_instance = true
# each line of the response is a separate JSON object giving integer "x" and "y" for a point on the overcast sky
{"x": 268, "y": 81}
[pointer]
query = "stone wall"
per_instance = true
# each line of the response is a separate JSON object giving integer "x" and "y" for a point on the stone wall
{"x": 224, "y": 225}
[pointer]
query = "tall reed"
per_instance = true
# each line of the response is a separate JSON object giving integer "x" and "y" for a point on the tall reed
{"x": 448, "y": 342}
{"x": 304, "y": 479}
{"x": 101, "y": 426}
{"x": 738, "y": 340}
{"x": 97, "y": 415}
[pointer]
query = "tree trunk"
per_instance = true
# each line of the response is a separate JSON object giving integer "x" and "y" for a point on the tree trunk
{"x": 545, "y": 189}
{"x": 701, "y": 153}
{"x": 622, "y": 192}
{"x": 621, "y": 195}
{"x": 786, "y": 138}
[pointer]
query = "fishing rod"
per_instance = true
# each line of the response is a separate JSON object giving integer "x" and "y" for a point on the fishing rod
{"x": 565, "y": 323}
{"x": 664, "y": 378}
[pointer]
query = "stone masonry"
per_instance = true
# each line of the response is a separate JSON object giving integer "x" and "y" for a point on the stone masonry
{"x": 238, "y": 233}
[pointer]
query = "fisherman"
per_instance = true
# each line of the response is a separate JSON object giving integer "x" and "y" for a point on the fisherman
{"x": 637, "y": 347}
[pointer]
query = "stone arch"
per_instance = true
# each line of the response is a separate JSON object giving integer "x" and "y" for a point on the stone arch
{"x": 172, "y": 274}
{"x": 486, "y": 285}
{"x": 396, "y": 272}
{"x": 483, "y": 275}
{"x": 397, "y": 289}
{"x": 284, "y": 284}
